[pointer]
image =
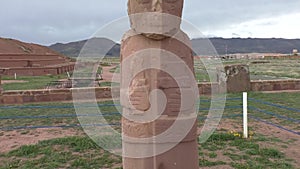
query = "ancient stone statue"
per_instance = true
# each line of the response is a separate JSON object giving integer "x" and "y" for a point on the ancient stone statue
{"x": 147, "y": 55}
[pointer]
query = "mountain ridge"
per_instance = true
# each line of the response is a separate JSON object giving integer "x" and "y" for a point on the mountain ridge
{"x": 200, "y": 45}
{"x": 73, "y": 49}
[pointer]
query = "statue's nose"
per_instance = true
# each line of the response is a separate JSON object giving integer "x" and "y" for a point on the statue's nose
{"x": 157, "y": 5}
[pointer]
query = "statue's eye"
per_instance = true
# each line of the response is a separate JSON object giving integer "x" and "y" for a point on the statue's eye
{"x": 143, "y": 1}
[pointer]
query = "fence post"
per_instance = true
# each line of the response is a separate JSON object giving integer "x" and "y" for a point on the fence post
{"x": 245, "y": 114}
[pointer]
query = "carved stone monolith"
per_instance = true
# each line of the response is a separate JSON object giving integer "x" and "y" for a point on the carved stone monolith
{"x": 158, "y": 94}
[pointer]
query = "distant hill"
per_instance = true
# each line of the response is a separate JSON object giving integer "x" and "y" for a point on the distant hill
{"x": 200, "y": 46}
{"x": 93, "y": 47}
{"x": 249, "y": 45}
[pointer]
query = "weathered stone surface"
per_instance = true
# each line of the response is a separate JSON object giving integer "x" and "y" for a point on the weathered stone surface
{"x": 31, "y": 60}
{"x": 44, "y": 95}
{"x": 155, "y": 39}
{"x": 181, "y": 156}
{"x": 274, "y": 85}
{"x": 155, "y": 19}
{"x": 16, "y": 97}
{"x": 154, "y": 128}
{"x": 236, "y": 77}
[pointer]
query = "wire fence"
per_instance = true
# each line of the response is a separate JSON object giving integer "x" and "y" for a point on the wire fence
{"x": 257, "y": 113}
{"x": 275, "y": 115}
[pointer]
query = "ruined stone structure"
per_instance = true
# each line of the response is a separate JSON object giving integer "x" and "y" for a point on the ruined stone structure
{"x": 236, "y": 77}
{"x": 152, "y": 41}
{"x": 55, "y": 95}
{"x": 282, "y": 56}
{"x": 31, "y": 60}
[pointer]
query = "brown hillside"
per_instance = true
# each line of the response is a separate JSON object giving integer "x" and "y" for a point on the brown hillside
{"x": 12, "y": 46}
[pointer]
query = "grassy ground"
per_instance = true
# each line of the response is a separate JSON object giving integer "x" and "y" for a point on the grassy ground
{"x": 54, "y": 114}
{"x": 278, "y": 68}
{"x": 109, "y": 84}
{"x": 111, "y": 60}
{"x": 271, "y": 69}
{"x": 70, "y": 152}
{"x": 224, "y": 148}
{"x": 240, "y": 153}
{"x": 278, "y": 115}
{"x": 81, "y": 152}
{"x": 31, "y": 82}
{"x": 233, "y": 107}
{"x": 115, "y": 70}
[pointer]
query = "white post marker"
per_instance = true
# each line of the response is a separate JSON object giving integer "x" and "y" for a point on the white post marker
{"x": 245, "y": 114}
{"x": 15, "y": 76}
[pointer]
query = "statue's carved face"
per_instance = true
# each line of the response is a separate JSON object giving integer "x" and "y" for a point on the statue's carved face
{"x": 156, "y": 19}
{"x": 172, "y": 7}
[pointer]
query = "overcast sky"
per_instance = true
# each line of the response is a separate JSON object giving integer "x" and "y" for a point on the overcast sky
{"x": 50, "y": 21}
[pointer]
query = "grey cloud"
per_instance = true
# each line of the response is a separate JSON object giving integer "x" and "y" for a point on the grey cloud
{"x": 50, "y": 21}
{"x": 217, "y": 14}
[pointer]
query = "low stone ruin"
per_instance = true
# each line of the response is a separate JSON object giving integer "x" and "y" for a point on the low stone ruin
{"x": 31, "y": 60}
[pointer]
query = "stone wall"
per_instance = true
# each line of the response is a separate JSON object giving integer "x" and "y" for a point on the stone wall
{"x": 256, "y": 86}
{"x": 30, "y": 56}
{"x": 275, "y": 85}
{"x": 39, "y": 71}
{"x": 56, "y": 95}
{"x": 29, "y": 63}
{"x": 283, "y": 57}
{"x": 206, "y": 88}
{"x": 35, "y": 64}
{"x": 53, "y": 95}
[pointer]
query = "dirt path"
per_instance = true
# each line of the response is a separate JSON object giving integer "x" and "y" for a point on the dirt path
{"x": 108, "y": 76}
